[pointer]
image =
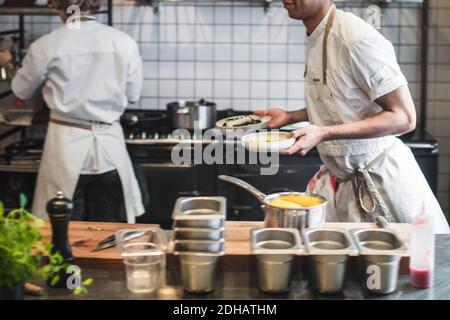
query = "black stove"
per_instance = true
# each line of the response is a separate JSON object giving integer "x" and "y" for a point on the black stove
{"x": 150, "y": 143}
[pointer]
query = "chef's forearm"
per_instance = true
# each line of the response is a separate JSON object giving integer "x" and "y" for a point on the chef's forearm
{"x": 298, "y": 115}
{"x": 382, "y": 124}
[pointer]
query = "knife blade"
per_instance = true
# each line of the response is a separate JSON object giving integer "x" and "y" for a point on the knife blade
{"x": 111, "y": 240}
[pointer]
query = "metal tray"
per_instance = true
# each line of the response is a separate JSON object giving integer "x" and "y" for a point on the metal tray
{"x": 199, "y": 208}
{"x": 378, "y": 242}
{"x": 199, "y": 233}
{"x": 276, "y": 241}
{"x": 326, "y": 241}
{"x": 206, "y": 223}
{"x": 199, "y": 247}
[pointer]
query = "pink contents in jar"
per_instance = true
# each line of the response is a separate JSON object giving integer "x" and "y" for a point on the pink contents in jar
{"x": 421, "y": 278}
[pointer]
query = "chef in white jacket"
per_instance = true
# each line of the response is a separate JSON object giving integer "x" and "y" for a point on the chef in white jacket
{"x": 89, "y": 72}
{"x": 357, "y": 101}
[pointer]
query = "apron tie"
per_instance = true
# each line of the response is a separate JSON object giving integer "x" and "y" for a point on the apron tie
{"x": 363, "y": 184}
{"x": 366, "y": 185}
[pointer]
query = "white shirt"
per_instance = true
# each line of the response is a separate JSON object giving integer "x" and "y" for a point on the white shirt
{"x": 88, "y": 74}
{"x": 362, "y": 67}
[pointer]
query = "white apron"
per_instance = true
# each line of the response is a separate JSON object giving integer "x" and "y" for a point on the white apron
{"x": 375, "y": 176}
{"x": 65, "y": 150}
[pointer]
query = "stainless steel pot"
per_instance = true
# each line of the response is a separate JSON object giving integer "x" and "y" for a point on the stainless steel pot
{"x": 192, "y": 114}
{"x": 276, "y": 217}
{"x": 275, "y": 250}
{"x": 380, "y": 252}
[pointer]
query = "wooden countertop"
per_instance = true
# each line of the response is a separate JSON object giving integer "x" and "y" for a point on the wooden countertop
{"x": 238, "y": 256}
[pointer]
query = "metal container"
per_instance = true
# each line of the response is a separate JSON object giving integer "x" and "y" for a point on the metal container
{"x": 275, "y": 249}
{"x": 215, "y": 223}
{"x": 192, "y": 114}
{"x": 198, "y": 234}
{"x": 198, "y": 267}
{"x": 380, "y": 252}
{"x": 329, "y": 250}
{"x": 198, "y": 272}
{"x": 199, "y": 246}
{"x": 199, "y": 212}
{"x": 276, "y": 217}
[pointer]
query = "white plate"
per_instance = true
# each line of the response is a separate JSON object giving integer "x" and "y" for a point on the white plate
{"x": 272, "y": 141}
{"x": 295, "y": 126}
{"x": 222, "y": 124}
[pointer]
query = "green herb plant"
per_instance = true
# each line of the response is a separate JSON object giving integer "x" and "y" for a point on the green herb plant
{"x": 23, "y": 250}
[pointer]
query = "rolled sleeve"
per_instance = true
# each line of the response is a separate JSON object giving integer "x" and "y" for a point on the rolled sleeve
{"x": 375, "y": 68}
{"x": 135, "y": 76}
{"x": 31, "y": 75}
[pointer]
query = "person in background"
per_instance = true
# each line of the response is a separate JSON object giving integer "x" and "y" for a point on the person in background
{"x": 88, "y": 72}
{"x": 357, "y": 101}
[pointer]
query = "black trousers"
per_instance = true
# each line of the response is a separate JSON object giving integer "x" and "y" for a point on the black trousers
{"x": 99, "y": 197}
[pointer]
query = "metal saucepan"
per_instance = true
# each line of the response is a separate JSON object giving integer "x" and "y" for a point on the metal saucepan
{"x": 192, "y": 114}
{"x": 276, "y": 217}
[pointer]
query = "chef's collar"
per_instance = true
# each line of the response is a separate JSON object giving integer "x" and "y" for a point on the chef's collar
{"x": 321, "y": 27}
{"x": 88, "y": 18}
{"x": 82, "y": 18}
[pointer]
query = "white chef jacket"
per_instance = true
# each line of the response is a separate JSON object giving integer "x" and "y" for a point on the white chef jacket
{"x": 101, "y": 96}
{"x": 361, "y": 67}
{"x": 88, "y": 76}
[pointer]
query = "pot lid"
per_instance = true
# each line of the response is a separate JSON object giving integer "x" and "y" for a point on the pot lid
{"x": 184, "y": 103}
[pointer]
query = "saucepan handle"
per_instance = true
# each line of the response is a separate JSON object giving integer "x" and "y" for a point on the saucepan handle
{"x": 382, "y": 222}
{"x": 244, "y": 185}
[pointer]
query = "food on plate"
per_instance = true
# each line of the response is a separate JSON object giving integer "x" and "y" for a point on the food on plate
{"x": 243, "y": 122}
{"x": 240, "y": 121}
{"x": 267, "y": 141}
{"x": 269, "y": 137}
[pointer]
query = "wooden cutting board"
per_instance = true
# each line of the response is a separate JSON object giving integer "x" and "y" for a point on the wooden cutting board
{"x": 93, "y": 232}
{"x": 238, "y": 253}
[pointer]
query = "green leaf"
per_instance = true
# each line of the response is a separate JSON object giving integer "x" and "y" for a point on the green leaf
{"x": 23, "y": 201}
{"x": 2, "y": 209}
{"x": 77, "y": 291}
{"x": 39, "y": 223}
{"x": 88, "y": 282}
{"x": 55, "y": 280}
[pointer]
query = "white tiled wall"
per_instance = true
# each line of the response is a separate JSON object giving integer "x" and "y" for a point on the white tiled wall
{"x": 244, "y": 58}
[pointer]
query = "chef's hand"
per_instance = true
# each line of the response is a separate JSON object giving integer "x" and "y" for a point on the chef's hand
{"x": 307, "y": 138}
{"x": 5, "y": 57}
{"x": 279, "y": 117}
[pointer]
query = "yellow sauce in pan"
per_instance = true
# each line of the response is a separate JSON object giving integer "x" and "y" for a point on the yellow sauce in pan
{"x": 295, "y": 202}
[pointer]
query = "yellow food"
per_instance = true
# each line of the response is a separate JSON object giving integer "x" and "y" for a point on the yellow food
{"x": 295, "y": 202}
{"x": 304, "y": 201}
{"x": 284, "y": 204}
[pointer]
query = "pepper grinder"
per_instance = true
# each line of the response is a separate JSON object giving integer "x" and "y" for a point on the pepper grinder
{"x": 60, "y": 211}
